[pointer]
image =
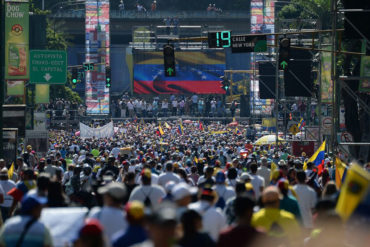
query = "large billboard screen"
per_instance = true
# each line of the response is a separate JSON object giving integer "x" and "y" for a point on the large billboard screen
{"x": 196, "y": 72}
{"x": 97, "y": 51}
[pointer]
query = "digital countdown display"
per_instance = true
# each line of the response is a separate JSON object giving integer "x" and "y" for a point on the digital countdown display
{"x": 220, "y": 39}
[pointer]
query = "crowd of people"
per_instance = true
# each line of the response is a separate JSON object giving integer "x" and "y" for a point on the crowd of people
{"x": 173, "y": 184}
{"x": 213, "y": 8}
{"x": 174, "y": 106}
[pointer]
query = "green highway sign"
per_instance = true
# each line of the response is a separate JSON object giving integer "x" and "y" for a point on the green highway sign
{"x": 48, "y": 67}
{"x": 283, "y": 64}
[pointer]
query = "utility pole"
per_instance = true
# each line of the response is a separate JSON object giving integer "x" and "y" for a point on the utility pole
{"x": 277, "y": 90}
{"x": 2, "y": 75}
{"x": 333, "y": 76}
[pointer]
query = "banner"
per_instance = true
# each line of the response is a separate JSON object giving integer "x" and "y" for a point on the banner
{"x": 15, "y": 88}
{"x": 97, "y": 51}
{"x": 365, "y": 72}
{"x": 326, "y": 83}
{"x": 42, "y": 94}
{"x": 107, "y": 131}
{"x": 196, "y": 72}
{"x": 16, "y": 40}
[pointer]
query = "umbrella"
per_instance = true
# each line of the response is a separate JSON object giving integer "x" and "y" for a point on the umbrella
{"x": 235, "y": 123}
{"x": 187, "y": 121}
{"x": 269, "y": 139}
{"x": 77, "y": 133}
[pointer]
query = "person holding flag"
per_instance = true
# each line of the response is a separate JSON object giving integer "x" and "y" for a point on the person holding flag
{"x": 318, "y": 159}
{"x": 301, "y": 124}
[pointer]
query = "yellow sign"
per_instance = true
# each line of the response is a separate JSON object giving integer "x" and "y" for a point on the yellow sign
{"x": 294, "y": 129}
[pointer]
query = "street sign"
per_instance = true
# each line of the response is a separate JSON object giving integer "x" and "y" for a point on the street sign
{"x": 48, "y": 67}
{"x": 326, "y": 124}
{"x": 248, "y": 43}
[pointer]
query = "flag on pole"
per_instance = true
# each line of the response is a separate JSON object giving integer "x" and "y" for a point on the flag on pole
{"x": 167, "y": 125}
{"x": 11, "y": 171}
{"x": 301, "y": 124}
{"x": 180, "y": 128}
{"x": 237, "y": 131}
{"x": 318, "y": 158}
{"x": 196, "y": 160}
{"x": 353, "y": 190}
{"x": 340, "y": 172}
{"x": 160, "y": 130}
{"x": 272, "y": 170}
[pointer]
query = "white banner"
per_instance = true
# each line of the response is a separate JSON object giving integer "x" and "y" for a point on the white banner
{"x": 106, "y": 131}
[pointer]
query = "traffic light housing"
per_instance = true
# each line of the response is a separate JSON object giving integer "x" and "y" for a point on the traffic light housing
{"x": 108, "y": 79}
{"x": 74, "y": 75}
{"x": 225, "y": 84}
{"x": 284, "y": 53}
{"x": 169, "y": 60}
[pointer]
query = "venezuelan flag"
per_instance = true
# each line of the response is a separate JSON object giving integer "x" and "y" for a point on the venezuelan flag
{"x": 237, "y": 131}
{"x": 160, "y": 130}
{"x": 353, "y": 191}
{"x": 340, "y": 172}
{"x": 11, "y": 171}
{"x": 301, "y": 124}
{"x": 196, "y": 159}
{"x": 317, "y": 158}
{"x": 180, "y": 128}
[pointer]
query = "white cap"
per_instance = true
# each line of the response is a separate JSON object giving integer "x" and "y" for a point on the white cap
{"x": 182, "y": 190}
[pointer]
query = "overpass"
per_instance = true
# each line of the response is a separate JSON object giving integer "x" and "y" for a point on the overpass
{"x": 123, "y": 23}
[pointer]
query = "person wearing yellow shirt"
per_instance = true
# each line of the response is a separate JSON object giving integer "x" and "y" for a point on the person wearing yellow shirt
{"x": 277, "y": 223}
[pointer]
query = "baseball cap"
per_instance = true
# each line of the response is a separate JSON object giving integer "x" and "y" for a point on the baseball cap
{"x": 182, "y": 190}
{"x": 29, "y": 202}
{"x": 220, "y": 177}
{"x": 114, "y": 189}
{"x": 91, "y": 227}
{"x": 169, "y": 186}
{"x": 135, "y": 210}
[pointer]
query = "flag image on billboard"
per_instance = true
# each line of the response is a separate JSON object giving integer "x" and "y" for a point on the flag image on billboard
{"x": 196, "y": 72}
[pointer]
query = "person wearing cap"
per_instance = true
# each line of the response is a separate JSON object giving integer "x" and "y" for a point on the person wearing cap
{"x": 214, "y": 219}
{"x": 91, "y": 234}
{"x": 147, "y": 193}
{"x": 276, "y": 222}
{"x": 242, "y": 234}
{"x": 135, "y": 232}
{"x": 161, "y": 225}
{"x": 164, "y": 178}
{"x": 7, "y": 186}
{"x": 26, "y": 229}
{"x": 224, "y": 192}
{"x": 29, "y": 157}
{"x": 111, "y": 215}
{"x": 182, "y": 195}
{"x": 288, "y": 203}
{"x": 307, "y": 199}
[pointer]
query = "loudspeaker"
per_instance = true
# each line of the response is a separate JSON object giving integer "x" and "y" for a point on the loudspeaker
{"x": 267, "y": 79}
{"x": 245, "y": 110}
{"x": 360, "y": 20}
{"x": 298, "y": 79}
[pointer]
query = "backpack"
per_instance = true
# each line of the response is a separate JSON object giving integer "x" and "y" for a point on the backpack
{"x": 221, "y": 201}
{"x": 147, "y": 201}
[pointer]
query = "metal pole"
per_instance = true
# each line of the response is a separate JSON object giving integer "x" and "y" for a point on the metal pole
{"x": 2, "y": 82}
{"x": 333, "y": 75}
{"x": 43, "y": 5}
{"x": 320, "y": 83}
{"x": 277, "y": 92}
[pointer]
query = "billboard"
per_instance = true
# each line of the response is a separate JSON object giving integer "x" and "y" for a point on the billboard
{"x": 196, "y": 72}
{"x": 262, "y": 21}
{"x": 16, "y": 40}
{"x": 97, "y": 51}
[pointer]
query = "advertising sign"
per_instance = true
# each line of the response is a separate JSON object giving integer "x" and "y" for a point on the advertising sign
{"x": 97, "y": 51}
{"x": 326, "y": 84}
{"x": 16, "y": 40}
{"x": 42, "y": 94}
{"x": 14, "y": 88}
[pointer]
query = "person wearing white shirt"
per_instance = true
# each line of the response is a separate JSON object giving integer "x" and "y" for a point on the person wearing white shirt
{"x": 264, "y": 171}
{"x": 6, "y": 200}
{"x": 147, "y": 193}
{"x": 223, "y": 191}
{"x": 257, "y": 182}
{"x": 307, "y": 199}
{"x": 111, "y": 215}
{"x": 164, "y": 178}
{"x": 214, "y": 220}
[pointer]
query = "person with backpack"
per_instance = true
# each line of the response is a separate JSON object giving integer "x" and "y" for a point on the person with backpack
{"x": 147, "y": 193}
{"x": 224, "y": 192}
{"x": 214, "y": 219}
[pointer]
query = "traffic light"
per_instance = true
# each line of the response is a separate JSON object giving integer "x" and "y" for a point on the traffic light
{"x": 108, "y": 79}
{"x": 169, "y": 60}
{"x": 74, "y": 75}
{"x": 225, "y": 84}
{"x": 284, "y": 53}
